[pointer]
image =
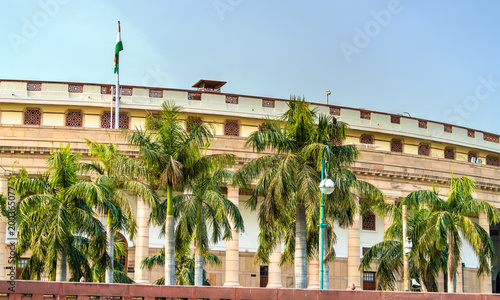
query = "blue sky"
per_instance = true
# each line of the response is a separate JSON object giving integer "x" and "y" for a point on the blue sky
{"x": 436, "y": 60}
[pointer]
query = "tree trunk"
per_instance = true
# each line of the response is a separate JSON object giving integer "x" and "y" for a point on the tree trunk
{"x": 61, "y": 267}
{"x": 451, "y": 263}
{"x": 300, "y": 247}
{"x": 198, "y": 268}
{"x": 111, "y": 239}
{"x": 169, "y": 251}
{"x": 169, "y": 241}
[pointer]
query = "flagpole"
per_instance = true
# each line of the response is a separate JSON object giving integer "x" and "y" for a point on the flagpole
{"x": 111, "y": 112}
{"x": 117, "y": 110}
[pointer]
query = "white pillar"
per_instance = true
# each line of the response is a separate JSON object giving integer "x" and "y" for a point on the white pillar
{"x": 387, "y": 220}
{"x": 485, "y": 280}
{"x": 353, "y": 255}
{"x": 232, "y": 247}
{"x": 275, "y": 269}
{"x": 313, "y": 273}
{"x": 141, "y": 241}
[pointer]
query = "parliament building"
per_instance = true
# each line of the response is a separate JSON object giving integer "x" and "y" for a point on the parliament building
{"x": 399, "y": 154}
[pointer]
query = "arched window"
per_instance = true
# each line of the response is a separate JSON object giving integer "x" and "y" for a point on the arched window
{"x": 232, "y": 128}
{"x": 424, "y": 149}
{"x": 492, "y": 161}
{"x": 471, "y": 156}
{"x": 123, "y": 121}
{"x": 74, "y": 118}
{"x": 32, "y": 116}
{"x": 396, "y": 146}
{"x": 366, "y": 139}
{"x": 123, "y": 260}
{"x": 449, "y": 153}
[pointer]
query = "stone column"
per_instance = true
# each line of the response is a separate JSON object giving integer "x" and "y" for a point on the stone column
{"x": 460, "y": 284}
{"x": 353, "y": 255}
{"x": 313, "y": 273}
{"x": 4, "y": 189}
{"x": 141, "y": 241}
{"x": 275, "y": 269}
{"x": 388, "y": 220}
{"x": 232, "y": 246}
{"x": 485, "y": 280}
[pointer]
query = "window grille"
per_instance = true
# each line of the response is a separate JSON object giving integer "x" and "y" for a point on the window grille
{"x": 423, "y": 149}
{"x": 156, "y": 93}
{"x": 74, "y": 118}
{"x": 123, "y": 120}
{"x": 397, "y": 146}
{"x": 395, "y": 119}
{"x": 194, "y": 96}
{"x": 492, "y": 161}
{"x": 268, "y": 103}
{"x": 75, "y": 88}
{"x": 32, "y": 117}
{"x": 232, "y": 99}
{"x": 449, "y": 153}
{"x": 366, "y": 139}
{"x": 231, "y": 128}
{"x": 365, "y": 115}
{"x": 368, "y": 222}
{"x": 335, "y": 111}
{"x": 191, "y": 122}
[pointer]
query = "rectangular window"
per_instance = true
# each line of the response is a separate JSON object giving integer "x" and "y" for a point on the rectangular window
{"x": 369, "y": 281}
{"x": 368, "y": 221}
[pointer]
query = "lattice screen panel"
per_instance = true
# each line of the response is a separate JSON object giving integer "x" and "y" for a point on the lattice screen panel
{"x": 232, "y": 99}
{"x": 449, "y": 153}
{"x": 232, "y": 128}
{"x": 123, "y": 120}
{"x": 74, "y": 118}
{"x": 424, "y": 149}
{"x": 397, "y": 146}
{"x": 395, "y": 119}
{"x": 492, "y": 161}
{"x": 194, "y": 96}
{"x": 366, "y": 115}
{"x": 191, "y": 122}
{"x": 368, "y": 222}
{"x": 32, "y": 117}
{"x": 366, "y": 139}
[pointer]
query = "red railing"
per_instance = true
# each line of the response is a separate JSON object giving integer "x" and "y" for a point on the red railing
{"x": 43, "y": 290}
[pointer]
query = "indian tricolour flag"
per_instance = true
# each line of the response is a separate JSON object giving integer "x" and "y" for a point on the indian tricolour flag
{"x": 118, "y": 47}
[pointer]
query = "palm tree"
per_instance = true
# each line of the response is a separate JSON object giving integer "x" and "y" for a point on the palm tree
{"x": 99, "y": 269}
{"x": 184, "y": 265}
{"x": 54, "y": 217}
{"x": 204, "y": 207}
{"x": 426, "y": 259}
{"x": 167, "y": 148}
{"x": 288, "y": 181}
{"x": 451, "y": 221}
{"x": 123, "y": 174}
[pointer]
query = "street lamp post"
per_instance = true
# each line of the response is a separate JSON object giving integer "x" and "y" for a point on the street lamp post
{"x": 326, "y": 186}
